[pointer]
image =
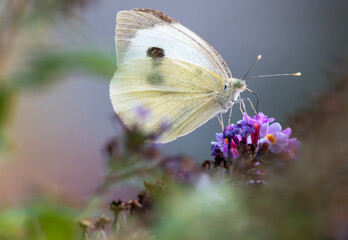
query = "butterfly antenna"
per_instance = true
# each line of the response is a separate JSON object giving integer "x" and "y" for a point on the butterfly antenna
{"x": 276, "y": 75}
{"x": 252, "y": 66}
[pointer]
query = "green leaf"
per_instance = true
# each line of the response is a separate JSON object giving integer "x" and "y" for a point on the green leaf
{"x": 7, "y": 96}
{"x": 51, "y": 222}
{"x": 47, "y": 66}
{"x": 45, "y": 220}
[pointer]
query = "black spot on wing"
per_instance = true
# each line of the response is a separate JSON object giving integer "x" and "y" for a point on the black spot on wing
{"x": 155, "y": 78}
{"x": 155, "y": 52}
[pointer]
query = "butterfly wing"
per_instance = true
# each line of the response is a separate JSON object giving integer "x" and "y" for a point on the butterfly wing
{"x": 139, "y": 29}
{"x": 179, "y": 96}
{"x": 168, "y": 69}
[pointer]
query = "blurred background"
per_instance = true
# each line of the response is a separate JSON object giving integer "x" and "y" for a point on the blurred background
{"x": 57, "y": 58}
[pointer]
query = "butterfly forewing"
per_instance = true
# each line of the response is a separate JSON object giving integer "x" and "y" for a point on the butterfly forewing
{"x": 140, "y": 29}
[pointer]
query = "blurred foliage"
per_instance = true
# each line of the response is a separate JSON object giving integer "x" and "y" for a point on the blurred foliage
{"x": 49, "y": 66}
{"x": 46, "y": 68}
{"x": 43, "y": 220}
{"x": 6, "y": 105}
{"x": 39, "y": 64}
{"x": 45, "y": 9}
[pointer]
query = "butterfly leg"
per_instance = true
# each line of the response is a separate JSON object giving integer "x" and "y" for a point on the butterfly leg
{"x": 251, "y": 104}
{"x": 242, "y": 101}
{"x": 222, "y": 120}
{"x": 241, "y": 105}
{"x": 257, "y": 99}
{"x": 230, "y": 115}
{"x": 240, "y": 108}
{"x": 218, "y": 116}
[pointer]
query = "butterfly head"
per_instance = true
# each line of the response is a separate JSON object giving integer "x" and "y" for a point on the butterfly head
{"x": 233, "y": 87}
{"x": 237, "y": 86}
{"x": 240, "y": 84}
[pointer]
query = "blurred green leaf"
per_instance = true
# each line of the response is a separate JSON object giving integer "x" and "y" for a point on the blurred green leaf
{"x": 7, "y": 96}
{"x": 46, "y": 221}
{"x": 10, "y": 224}
{"x": 46, "y": 67}
{"x": 223, "y": 212}
{"x": 48, "y": 10}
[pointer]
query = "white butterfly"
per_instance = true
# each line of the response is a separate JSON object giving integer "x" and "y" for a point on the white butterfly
{"x": 171, "y": 71}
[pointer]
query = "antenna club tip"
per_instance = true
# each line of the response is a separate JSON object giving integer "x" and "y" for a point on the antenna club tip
{"x": 297, "y": 74}
{"x": 259, "y": 57}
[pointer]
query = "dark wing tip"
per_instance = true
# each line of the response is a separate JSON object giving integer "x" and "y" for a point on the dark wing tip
{"x": 157, "y": 14}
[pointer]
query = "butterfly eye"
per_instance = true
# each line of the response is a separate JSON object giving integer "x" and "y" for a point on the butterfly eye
{"x": 239, "y": 84}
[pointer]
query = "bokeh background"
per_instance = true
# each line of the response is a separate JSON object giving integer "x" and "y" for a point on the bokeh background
{"x": 56, "y": 130}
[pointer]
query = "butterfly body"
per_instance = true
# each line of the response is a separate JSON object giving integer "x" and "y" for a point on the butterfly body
{"x": 169, "y": 70}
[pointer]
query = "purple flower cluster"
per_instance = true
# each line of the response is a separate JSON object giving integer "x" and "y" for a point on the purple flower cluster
{"x": 259, "y": 131}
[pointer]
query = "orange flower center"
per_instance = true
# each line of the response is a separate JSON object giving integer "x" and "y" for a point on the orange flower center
{"x": 271, "y": 138}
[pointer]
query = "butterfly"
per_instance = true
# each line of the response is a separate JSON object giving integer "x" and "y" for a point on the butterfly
{"x": 167, "y": 69}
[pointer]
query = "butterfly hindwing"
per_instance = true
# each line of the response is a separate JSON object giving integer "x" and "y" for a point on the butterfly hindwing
{"x": 179, "y": 96}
